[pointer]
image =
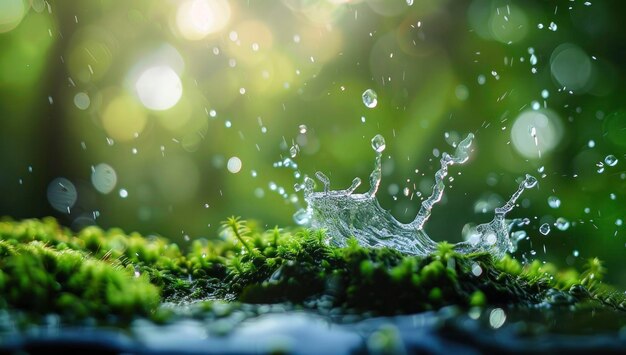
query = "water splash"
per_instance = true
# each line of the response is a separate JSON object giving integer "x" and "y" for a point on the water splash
{"x": 344, "y": 214}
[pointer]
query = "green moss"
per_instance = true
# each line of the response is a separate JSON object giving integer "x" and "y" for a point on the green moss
{"x": 110, "y": 275}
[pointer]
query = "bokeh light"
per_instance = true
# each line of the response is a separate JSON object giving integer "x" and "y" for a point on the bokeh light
{"x": 62, "y": 194}
{"x": 195, "y": 19}
{"x": 159, "y": 87}
{"x": 571, "y": 67}
{"x": 82, "y": 101}
{"x": 123, "y": 119}
{"x": 103, "y": 178}
{"x": 508, "y": 24}
{"x": 536, "y": 132}
{"x": 11, "y": 14}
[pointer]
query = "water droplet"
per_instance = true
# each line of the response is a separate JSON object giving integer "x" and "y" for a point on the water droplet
{"x": 301, "y": 217}
{"x": 552, "y": 27}
{"x": 378, "y": 143}
{"x": 591, "y": 143}
{"x": 530, "y": 182}
{"x": 544, "y": 229}
{"x": 545, "y": 93}
{"x": 575, "y": 253}
{"x": 302, "y": 129}
{"x": 619, "y": 222}
{"x": 600, "y": 166}
{"x": 293, "y": 151}
{"x": 409, "y": 2}
{"x": 536, "y": 106}
{"x": 497, "y": 317}
{"x": 234, "y": 165}
{"x": 562, "y": 224}
{"x": 476, "y": 269}
{"x": 123, "y": 193}
{"x": 370, "y": 98}
{"x": 612, "y": 196}
{"x": 554, "y": 202}
{"x": 610, "y": 160}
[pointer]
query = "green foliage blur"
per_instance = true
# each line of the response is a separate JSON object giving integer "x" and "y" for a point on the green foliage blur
{"x": 168, "y": 116}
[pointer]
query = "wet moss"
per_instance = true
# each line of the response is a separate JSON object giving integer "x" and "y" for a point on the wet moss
{"x": 114, "y": 276}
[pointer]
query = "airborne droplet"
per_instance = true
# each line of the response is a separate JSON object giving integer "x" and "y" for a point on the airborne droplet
{"x": 562, "y": 224}
{"x": 544, "y": 229}
{"x": 554, "y": 202}
{"x": 610, "y": 160}
{"x": 378, "y": 143}
{"x": 301, "y": 217}
{"x": 370, "y": 98}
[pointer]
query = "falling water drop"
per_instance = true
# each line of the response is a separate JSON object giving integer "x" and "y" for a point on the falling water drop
{"x": 293, "y": 151}
{"x": 301, "y": 217}
{"x": 562, "y": 224}
{"x": 544, "y": 229}
{"x": 554, "y": 202}
{"x": 600, "y": 166}
{"x": 610, "y": 160}
{"x": 370, "y": 98}
{"x": 378, "y": 143}
{"x": 553, "y": 27}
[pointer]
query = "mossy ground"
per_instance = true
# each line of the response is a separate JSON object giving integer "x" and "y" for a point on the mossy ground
{"x": 111, "y": 276}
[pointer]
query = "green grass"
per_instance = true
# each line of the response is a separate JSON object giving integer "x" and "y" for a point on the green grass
{"x": 111, "y": 276}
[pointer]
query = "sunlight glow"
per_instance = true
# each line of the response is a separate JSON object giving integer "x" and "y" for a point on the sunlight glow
{"x": 195, "y": 19}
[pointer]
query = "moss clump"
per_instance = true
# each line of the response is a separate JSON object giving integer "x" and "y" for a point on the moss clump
{"x": 42, "y": 280}
{"x": 45, "y": 268}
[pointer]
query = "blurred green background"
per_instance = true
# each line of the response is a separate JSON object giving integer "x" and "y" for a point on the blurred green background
{"x": 168, "y": 116}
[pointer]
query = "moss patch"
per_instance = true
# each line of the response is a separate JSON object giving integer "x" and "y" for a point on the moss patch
{"x": 114, "y": 276}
